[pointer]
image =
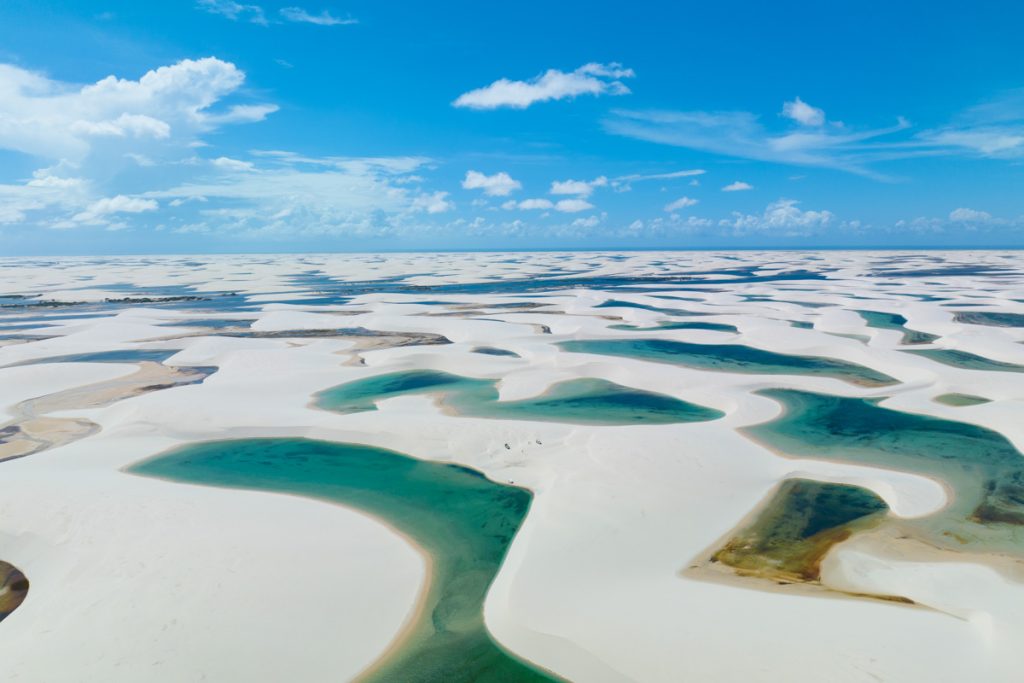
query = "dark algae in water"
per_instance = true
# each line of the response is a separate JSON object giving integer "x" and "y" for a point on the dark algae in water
{"x": 462, "y": 519}
{"x": 961, "y": 400}
{"x": 983, "y": 469}
{"x": 993, "y": 319}
{"x": 580, "y": 401}
{"x": 967, "y": 361}
{"x": 13, "y": 589}
{"x": 802, "y": 521}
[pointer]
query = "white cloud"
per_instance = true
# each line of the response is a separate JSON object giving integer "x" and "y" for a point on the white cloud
{"x": 741, "y": 134}
{"x": 138, "y": 125}
{"x": 582, "y": 188}
{"x": 45, "y": 191}
{"x": 573, "y": 205}
{"x": 536, "y": 204}
{"x": 234, "y": 11}
{"x": 541, "y": 204}
{"x": 436, "y": 202}
{"x": 782, "y": 216}
{"x": 623, "y": 183}
{"x": 497, "y": 185}
{"x": 992, "y": 129}
{"x": 297, "y": 14}
{"x": 284, "y": 195}
{"x": 803, "y": 113}
{"x": 232, "y": 164}
{"x": 589, "y": 79}
{"x": 166, "y": 107}
{"x": 140, "y": 159}
{"x": 101, "y": 208}
{"x": 738, "y": 186}
{"x": 588, "y": 222}
{"x": 964, "y": 215}
{"x": 680, "y": 203}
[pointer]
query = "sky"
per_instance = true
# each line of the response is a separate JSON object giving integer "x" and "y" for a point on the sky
{"x": 208, "y": 126}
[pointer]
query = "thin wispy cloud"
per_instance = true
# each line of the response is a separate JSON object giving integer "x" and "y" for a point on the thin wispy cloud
{"x": 741, "y": 134}
{"x": 589, "y": 79}
{"x": 623, "y": 183}
{"x": 102, "y": 208}
{"x": 324, "y": 18}
{"x": 255, "y": 14}
{"x": 993, "y": 129}
{"x": 234, "y": 11}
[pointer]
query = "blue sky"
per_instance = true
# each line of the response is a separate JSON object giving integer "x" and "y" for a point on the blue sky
{"x": 214, "y": 125}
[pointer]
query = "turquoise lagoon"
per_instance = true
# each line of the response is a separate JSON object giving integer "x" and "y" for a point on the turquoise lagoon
{"x": 729, "y": 358}
{"x": 895, "y": 321}
{"x": 462, "y": 519}
{"x": 581, "y": 401}
{"x": 983, "y": 469}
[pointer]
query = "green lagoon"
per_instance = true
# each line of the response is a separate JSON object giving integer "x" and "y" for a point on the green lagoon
{"x": 581, "y": 401}
{"x": 729, "y": 358}
{"x": 894, "y": 321}
{"x": 967, "y": 361}
{"x": 984, "y": 470}
{"x": 462, "y": 519}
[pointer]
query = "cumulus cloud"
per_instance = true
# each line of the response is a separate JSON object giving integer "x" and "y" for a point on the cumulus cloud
{"x": 588, "y": 222}
{"x": 498, "y": 185}
{"x": 738, "y": 186}
{"x": 540, "y": 204}
{"x": 166, "y": 106}
{"x": 680, "y": 203}
{"x": 47, "y": 189}
{"x": 965, "y": 215}
{"x": 582, "y": 188}
{"x": 782, "y": 216}
{"x": 282, "y": 195}
{"x": 803, "y": 113}
{"x": 960, "y": 220}
{"x": 436, "y": 202}
{"x": 589, "y": 79}
{"x": 573, "y": 205}
{"x": 297, "y": 14}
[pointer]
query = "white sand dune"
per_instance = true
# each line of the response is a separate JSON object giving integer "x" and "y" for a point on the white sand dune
{"x": 138, "y": 579}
